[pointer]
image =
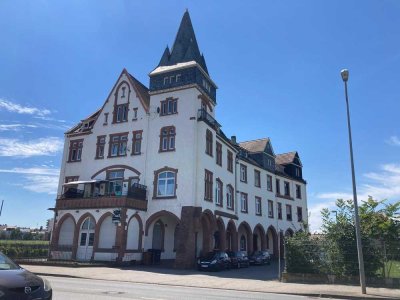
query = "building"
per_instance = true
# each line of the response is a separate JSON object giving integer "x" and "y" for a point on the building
{"x": 152, "y": 169}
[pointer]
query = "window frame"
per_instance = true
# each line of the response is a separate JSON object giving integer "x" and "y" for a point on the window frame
{"x": 289, "y": 213}
{"x": 156, "y": 179}
{"x": 218, "y": 153}
{"x": 299, "y": 216}
{"x": 169, "y": 106}
{"x": 208, "y": 185}
{"x": 209, "y": 142}
{"x": 243, "y": 175}
{"x": 269, "y": 183}
{"x": 169, "y": 137}
{"x": 121, "y": 109}
{"x": 100, "y": 146}
{"x": 257, "y": 178}
{"x": 137, "y": 140}
{"x": 298, "y": 191}
{"x": 219, "y": 192}
{"x": 121, "y": 141}
{"x": 286, "y": 188}
{"x": 244, "y": 202}
{"x": 77, "y": 146}
{"x": 278, "y": 186}
{"x": 279, "y": 208}
{"x": 229, "y": 158}
{"x": 271, "y": 209}
{"x": 231, "y": 191}
{"x": 258, "y": 205}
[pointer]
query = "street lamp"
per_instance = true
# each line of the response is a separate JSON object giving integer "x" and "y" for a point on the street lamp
{"x": 345, "y": 77}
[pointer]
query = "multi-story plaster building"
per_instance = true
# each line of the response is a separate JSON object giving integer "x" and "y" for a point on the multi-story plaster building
{"x": 152, "y": 169}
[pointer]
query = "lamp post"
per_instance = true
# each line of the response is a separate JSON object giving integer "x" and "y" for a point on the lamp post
{"x": 345, "y": 77}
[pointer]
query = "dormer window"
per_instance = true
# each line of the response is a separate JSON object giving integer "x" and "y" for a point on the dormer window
{"x": 206, "y": 85}
{"x": 297, "y": 172}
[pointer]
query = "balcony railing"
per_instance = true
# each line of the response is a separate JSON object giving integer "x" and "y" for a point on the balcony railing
{"x": 203, "y": 115}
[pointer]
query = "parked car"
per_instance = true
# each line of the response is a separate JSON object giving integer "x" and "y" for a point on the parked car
{"x": 18, "y": 283}
{"x": 214, "y": 261}
{"x": 239, "y": 259}
{"x": 260, "y": 258}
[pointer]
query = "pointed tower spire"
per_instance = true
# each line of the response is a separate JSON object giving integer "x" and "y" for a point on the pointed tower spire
{"x": 165, "y": 57}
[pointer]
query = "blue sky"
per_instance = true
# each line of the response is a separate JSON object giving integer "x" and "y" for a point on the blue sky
{"x": 277, "y": 65}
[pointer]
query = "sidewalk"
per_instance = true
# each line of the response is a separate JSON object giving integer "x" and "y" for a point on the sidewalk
{"x": 219, "y": 280}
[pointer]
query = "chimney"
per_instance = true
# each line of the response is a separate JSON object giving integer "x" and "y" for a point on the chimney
{"x": 233, "y": 139}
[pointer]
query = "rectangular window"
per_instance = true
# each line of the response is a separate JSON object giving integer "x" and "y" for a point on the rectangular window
{"x": 287, "y": 188}
{"x": 243, "y": 202}
{"x": 297, "y": 172}
{"x": 101, "y": 141}
{"x": 135, "y": 110}
{"x": 75, "y": 150}
{"x": 258, "y": 206}
{"x": 137, "y": 142}
{"x": 288, "y": 212}
{"x": 218, "y": 193}
{"x": 229, "y": 197}
{"x": 167, "y": 139}
{"x": 257, "y": 180}
{"x": 115, "y": 179}
{"x": 298, "y": 191}
{"x": 243, "y": 173}
{"x": 209, "y": 143}
{"x": 278, "y": 187}
{"x": 169, "y": 106}
{"x": 230, "y": 161}
{"x": 208, "y": 185}
{"x": 271, "y": 209}
{"x": 299, "y": 214}
{"x": 118, "y": 143}
{"x": 219, "y": 153}
{"x": 279, "y": 211}
{"x": 269, "y": 183}
{"x": 121, "y": 113}
{"x": 105, "y": 118}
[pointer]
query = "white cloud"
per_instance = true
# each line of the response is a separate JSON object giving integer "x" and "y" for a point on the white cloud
{"x": 15, "y": 127}
{"x": 38, "y": 180}
{"x": 38, "y": 147}
{"x": 393, "y": 140}
{"x": 19, "y": 109}
{"x": 384, "y": 184}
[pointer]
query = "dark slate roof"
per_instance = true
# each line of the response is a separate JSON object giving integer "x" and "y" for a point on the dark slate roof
{"x": 255, "y": 146}
{"x": 185, "y": 47}
{"x": 285, "y": 158}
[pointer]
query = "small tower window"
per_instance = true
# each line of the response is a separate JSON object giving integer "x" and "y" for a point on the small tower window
{"x": 123, "y": 92}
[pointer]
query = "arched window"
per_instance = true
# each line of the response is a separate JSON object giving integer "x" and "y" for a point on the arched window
{"x": 167, "y": 139}
{"x": 243, "y": 245}
{"x": 166, "y": 184}
{"x": 229, "y": 196}
{"x": 218, "y": 193}
{"x": 209, "y": 143}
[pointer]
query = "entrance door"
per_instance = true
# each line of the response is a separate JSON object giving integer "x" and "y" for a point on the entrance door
{"x": 86, "y": 240}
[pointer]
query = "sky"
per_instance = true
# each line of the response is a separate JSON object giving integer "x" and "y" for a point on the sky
{"x": 276, "y": 63}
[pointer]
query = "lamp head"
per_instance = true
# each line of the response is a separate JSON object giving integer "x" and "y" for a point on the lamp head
{"x": 345, "y": 74}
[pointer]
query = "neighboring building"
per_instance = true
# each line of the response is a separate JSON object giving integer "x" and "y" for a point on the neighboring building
{"x": 152, "y": 169}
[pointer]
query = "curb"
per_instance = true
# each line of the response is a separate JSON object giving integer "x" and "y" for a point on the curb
{"x": 319, "y": 295}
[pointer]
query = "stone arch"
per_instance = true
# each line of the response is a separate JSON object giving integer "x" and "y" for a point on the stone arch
{"x": 56, "y": 233}
{"x": 116, "y": 167}
{"x": 158, "y": 215}
{"x": 259, "y": 232}
{"x": 140, "y": 231}
{"x": 289, "y": 232}
{"x": 158, "y": 244}
{"x": 245, "y": 229}
{"x": 231, "y": 236}
{"x": 77, "y": 229}
{"x": 208, "y": 226}
{"x": 98, "y": 228}
{"x": 222, "y": 234}
{"x": 272, "y": 241}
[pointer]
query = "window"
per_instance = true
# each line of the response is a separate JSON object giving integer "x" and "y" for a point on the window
{"x": 219, "y": 153}
{"x": 278, "y": 187}
{"x": 208, "y": 185}
{"x": 269, "y": 183}
{"x": 167, "y": 139}
{"x": 271, "y": 209}
{"x": 118, "y": 144}
{"x": 123, "y": 91}
{"x": 230, "y": 161}
{"x": 257, "y": 181}
{"x": 121, "y": 113}
{"x": 115, "y": 179}
{"x": 299, "y": 214}
{"x": 229, "y": 196}
{"x": 137, "y": 142}
{"x": 75, "y": 150}
{"x": 298, "y": 191}
{"x": 218, "y": 193}
{"x": 287, "y": 188}
{"x": 258, "y": 206}
{"x": 169, "y": 107}
{"x": 279, "y": 211}
{"x": 101, "y": 141}
{"x": 243, "y": 173}
{"x": 209, "y": 143}
{"x": 166, "y": 186}
{"x": 105, "y": 118}
{"x": 288, "y": 212}
{"x": 135, "y": 110}
{"x": 297, "y": 172}
{"x": 243, "y": 202}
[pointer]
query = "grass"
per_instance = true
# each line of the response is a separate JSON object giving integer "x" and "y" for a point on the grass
{"x": 23, "y": 242}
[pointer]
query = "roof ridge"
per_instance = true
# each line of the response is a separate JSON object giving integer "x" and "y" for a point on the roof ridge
{"x": 261, "y": 139}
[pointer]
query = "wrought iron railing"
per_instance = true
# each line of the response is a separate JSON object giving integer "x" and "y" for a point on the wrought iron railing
{"x": 203, "y": 115}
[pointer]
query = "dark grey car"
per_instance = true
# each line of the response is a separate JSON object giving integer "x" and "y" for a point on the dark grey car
{"x": 17, "y": 283}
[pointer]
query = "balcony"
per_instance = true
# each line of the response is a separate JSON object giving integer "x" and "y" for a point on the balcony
{"x": 75, "y": 198}
{"x": 203, "y": 115}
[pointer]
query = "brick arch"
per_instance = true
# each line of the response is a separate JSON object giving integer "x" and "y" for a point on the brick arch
{"x": 208, "y": 214}
{"x": 289, "y": 232}
{"x": 249, "y": 235}
{"x": 231, "y": 236}
{"x": 97, "y": 229}
{"x": 158, "y": 215}
{"x": 140, "y": 222}
{"x": 274, "y": 239}
{"x": 222, "y": 233}
{"x": 56, "y": 233}
{"x": 115, "y": 167}
{"x": 261, "y": 234}
{"x": 76, "y": 233}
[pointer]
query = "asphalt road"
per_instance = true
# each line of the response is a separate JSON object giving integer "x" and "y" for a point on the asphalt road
{"x": 87, "y": 289}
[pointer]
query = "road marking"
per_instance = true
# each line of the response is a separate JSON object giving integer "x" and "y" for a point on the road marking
{"x": 147, "y": 298}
